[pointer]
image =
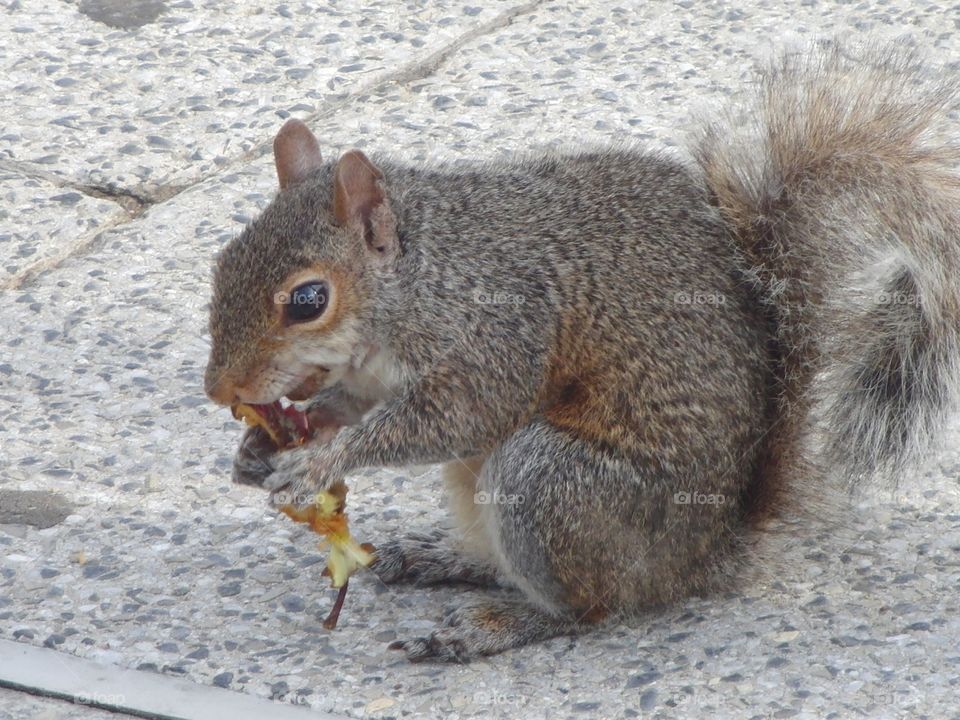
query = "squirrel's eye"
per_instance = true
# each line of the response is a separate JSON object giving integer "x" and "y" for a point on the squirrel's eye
{"x": 306, "y": 302}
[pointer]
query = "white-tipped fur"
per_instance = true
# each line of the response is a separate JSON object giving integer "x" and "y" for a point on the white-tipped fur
{"x": 843, "y": 192}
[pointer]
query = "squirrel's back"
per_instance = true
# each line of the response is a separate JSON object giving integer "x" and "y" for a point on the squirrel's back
{"x": 826, "y": 213}
{"x": 822, "y": 222}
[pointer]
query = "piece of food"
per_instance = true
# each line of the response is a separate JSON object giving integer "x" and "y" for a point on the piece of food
{"x": 288, "y": 427}
{"x": 326, "y": 517}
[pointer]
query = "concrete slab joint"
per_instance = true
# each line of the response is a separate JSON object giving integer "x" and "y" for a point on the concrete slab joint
{"x": 136, "y": 580}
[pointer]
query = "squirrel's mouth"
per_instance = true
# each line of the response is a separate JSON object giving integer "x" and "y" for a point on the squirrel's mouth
{"x": 286, "y": 424}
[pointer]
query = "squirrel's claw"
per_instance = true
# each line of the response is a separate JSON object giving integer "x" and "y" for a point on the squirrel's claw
{"x": 431, "y": 648}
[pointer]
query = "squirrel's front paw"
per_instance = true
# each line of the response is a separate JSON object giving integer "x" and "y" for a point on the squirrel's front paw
{"x": 299, "y": 474}
{"x": 253, "y": 462}
{"x": 291, "y": 483}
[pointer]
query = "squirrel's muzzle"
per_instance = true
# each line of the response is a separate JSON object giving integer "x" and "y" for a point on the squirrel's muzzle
{"x": 219, "y": 386}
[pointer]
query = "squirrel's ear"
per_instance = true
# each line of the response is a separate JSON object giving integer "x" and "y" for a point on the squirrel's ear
{"x": 358, "y": 195}
{"x": 296, "y": 153}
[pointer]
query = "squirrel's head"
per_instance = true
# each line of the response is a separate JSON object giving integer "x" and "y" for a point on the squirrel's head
{"x": 290, "y": 308}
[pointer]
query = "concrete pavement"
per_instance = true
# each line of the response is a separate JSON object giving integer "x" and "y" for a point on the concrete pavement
{"x": 129, "y": 153}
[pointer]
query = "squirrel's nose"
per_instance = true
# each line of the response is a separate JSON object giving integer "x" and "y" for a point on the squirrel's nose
{"x": 219, "y": 387}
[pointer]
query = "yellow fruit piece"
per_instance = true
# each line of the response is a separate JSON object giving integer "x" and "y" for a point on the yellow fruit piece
{"x": 326, "y": 517}
{"x": 346, "y": 557}
{"x": 252, "y": 418}
{"x": 288, "y": 427}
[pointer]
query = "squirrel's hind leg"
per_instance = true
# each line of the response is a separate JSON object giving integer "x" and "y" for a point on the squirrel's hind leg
{"x": 586, "y": 537}
{"x": 521, "y": 499}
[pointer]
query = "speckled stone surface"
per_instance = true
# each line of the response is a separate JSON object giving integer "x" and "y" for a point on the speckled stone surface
{"x": 17, "y": 706}
{"x": 159, "y": 106}
{"x": 165, "y": 566}
{"x": 39, "y": 220}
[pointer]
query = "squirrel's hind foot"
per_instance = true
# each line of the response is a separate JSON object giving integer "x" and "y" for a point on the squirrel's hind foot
{"x": 485, "y": 627}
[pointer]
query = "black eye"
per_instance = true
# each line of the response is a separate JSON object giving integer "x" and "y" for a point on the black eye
{"x": 306, "y": 302}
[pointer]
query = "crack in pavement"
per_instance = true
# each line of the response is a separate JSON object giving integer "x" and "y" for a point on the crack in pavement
{"x": 135, "y": 202}
{"x": 416, "y": 69}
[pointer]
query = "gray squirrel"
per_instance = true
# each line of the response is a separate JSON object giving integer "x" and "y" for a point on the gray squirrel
{"x": 628, "y": 363}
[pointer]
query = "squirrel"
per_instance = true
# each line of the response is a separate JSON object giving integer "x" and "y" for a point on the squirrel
{"x": 628, "y": 363}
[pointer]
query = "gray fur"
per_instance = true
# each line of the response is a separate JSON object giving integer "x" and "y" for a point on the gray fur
{"x": 429, "y": 558}
{"x": 252, "y": 464}
{"x": 712, "y": 329}
{"x": 844, "y": 193}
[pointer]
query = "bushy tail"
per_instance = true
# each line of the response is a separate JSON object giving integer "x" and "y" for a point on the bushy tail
{"x": 842, "y": 190}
